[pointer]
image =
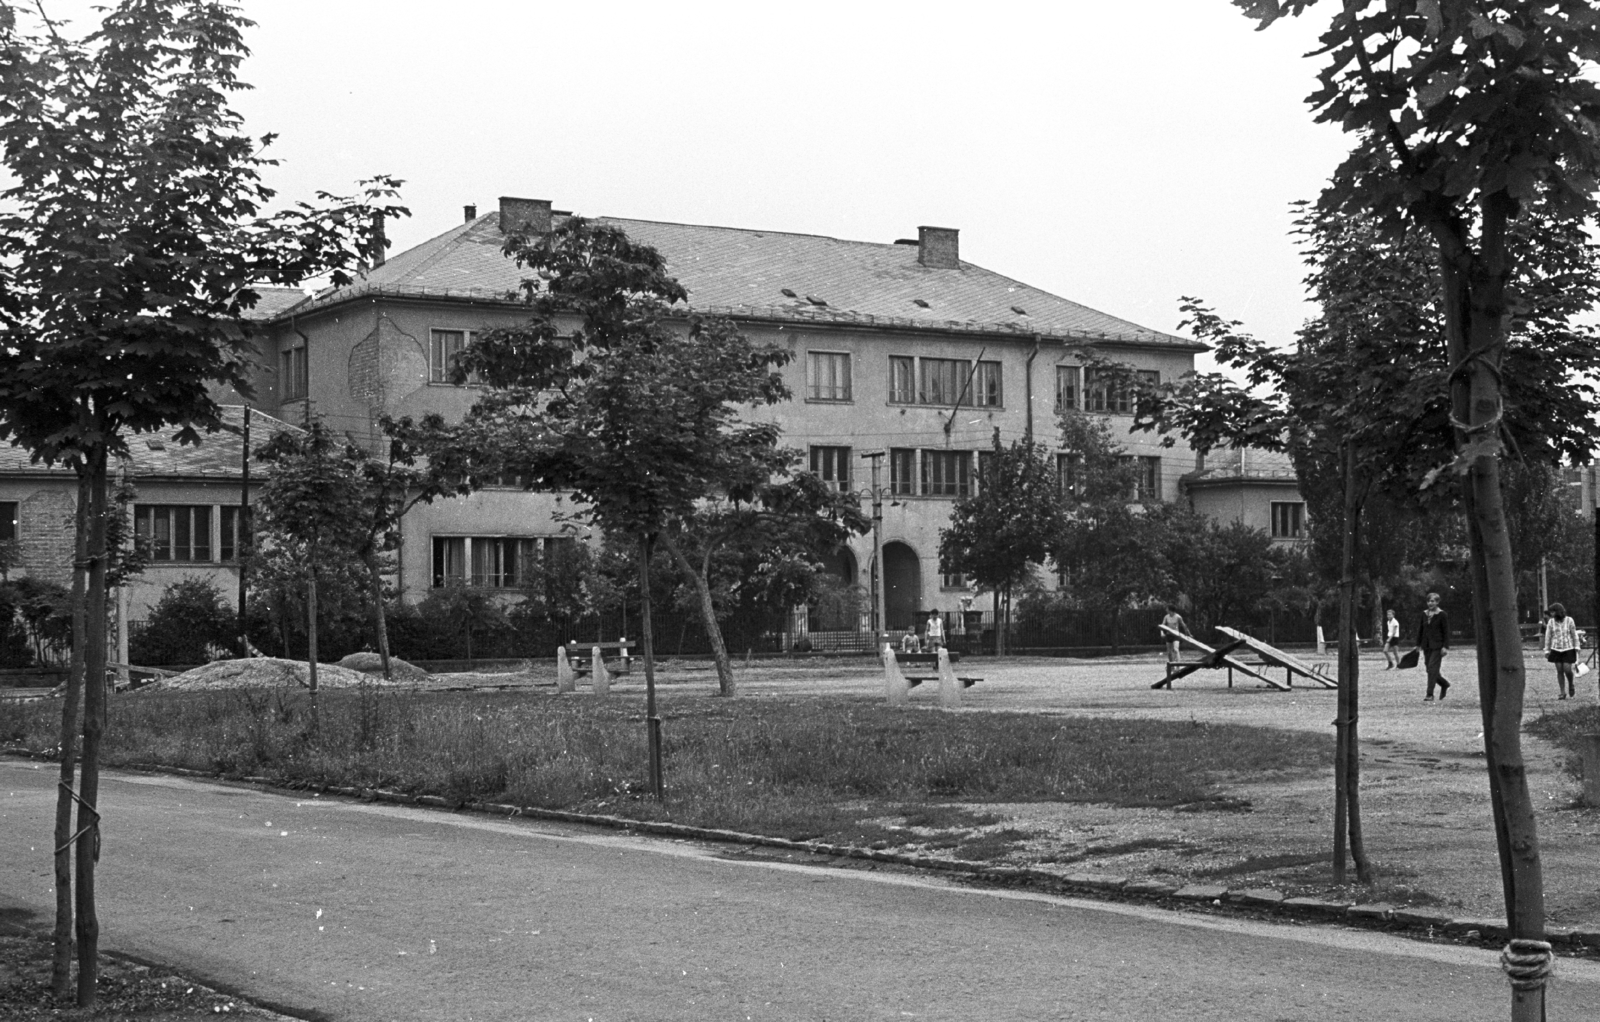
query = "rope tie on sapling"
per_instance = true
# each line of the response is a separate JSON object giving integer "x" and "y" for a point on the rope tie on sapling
{"x": 1527, "y": 963}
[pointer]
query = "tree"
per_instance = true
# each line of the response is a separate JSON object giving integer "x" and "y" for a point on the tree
{"x": 1468, "y": 112}
{"x": 601, "y": 394}
{"x": 132, "y": 236}
{"x": 1223, "y": 570}
{"x": 769, "y": 537}
{"x": 1105, "y": 547}
{"x": 1003, "y": 530}
{"x": 312, "y": 506}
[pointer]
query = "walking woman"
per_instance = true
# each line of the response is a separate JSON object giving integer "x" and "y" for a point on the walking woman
{"x": 1391, "y": 639}
{"x": 1561, "y": 648}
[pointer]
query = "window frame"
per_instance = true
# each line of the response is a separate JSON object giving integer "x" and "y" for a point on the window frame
{"x": 1075, "y": 373}
{"x": 148, "y": 519}
{"x": 525, "y": 552}
{"x": 986, "y": 384}
{"x": 937, "y": 465}
{"x": 925, "y": 380}
{"x": 903, "y": 471}
{"x": 440, "y": 358}
{"x": 10, "y": 521}
{"x": 838, "y": 364}
{"x": 831, "y": 464}
{"x": 1298, "y": 518}
{"x": 294, "y": 373}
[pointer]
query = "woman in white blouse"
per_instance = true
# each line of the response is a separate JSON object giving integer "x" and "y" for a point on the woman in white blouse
{"x": 1561, "y": 648}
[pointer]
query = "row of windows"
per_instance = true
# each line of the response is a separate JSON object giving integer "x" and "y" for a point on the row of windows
{"x": 941, "y": 473}
{"x": 912, "y": 379}
{"x": 500, "y": 562}
{"x": 950, "y": 381}
{"x": 185, "y": 533}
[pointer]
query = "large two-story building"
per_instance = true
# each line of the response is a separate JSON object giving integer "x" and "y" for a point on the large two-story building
{"x": 900, "y": 349}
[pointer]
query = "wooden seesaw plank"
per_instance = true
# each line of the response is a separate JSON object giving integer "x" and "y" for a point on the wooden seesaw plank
{"x": 1213, "y": 659}
{"x": 1288, "y": 661}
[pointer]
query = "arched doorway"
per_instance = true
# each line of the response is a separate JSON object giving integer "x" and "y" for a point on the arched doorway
{"x": 902, "y": 574}
{"x": 840, "y": 600}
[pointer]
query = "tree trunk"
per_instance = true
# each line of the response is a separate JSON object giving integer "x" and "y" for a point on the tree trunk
{"x": 87, "y": 923}
{"x": 378, "y": 615}
{"x": 647, "y": 640}
{"x": 1475, "y": 308}
{"x": 61, "y": 965}
{"x": 311, "y": 646}
{"x": 1347, "y": 755}
{"x": 708, "y": 613}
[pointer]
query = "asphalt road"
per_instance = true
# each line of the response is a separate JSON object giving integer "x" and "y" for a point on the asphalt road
{"x": 333, "y": 909}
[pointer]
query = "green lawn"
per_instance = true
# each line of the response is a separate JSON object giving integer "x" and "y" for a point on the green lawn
{"x": 837, "y": 769}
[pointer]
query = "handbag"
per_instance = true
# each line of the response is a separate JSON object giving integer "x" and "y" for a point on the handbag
{"x": 1580, "y": 670}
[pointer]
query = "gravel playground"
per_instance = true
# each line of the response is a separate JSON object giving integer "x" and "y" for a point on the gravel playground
{"x": 1425, "y": 799}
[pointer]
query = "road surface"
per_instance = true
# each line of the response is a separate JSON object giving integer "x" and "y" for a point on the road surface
{"x": 333, "y": 909}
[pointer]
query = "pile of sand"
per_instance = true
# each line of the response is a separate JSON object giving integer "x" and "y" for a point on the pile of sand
{"x": 372, "y": 663}
{"x": 264, "y": 672}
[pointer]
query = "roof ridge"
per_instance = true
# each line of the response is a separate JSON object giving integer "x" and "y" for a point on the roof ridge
{"x": 750, "y": 230}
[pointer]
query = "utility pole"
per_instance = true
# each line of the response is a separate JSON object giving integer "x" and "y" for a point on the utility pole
{"x": 241, "y": 530}
{"x": 879, "y": 618}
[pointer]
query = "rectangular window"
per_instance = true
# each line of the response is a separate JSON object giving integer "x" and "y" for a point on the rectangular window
{"x": 830, "y": 375}
{"x": 949, "y": 581}
{"x": 1288, "y": 519}
{"x": 232, "y": 537}
{"x": 174, "y": 532}
{"x": 902, "y": 471}
{"x": 1067, "y": 387}
{"x": 986, "y": 385}
{"x": 946, "y": 473}
{"x": 902, "y": 380}
{"x": 443, "y": 347}
{"x": 942, "y": 380}
{"x": 1098, "y": 391}
{"x": 1148, "y": 487}
{"x": 496, "y": 562}
{"x": 294, "y": 378}
{"x": 986, "y": 468}
{"x": 1068, "y": 473}
{"x": 832, "y": 466}
{"x": 8, "y": 521}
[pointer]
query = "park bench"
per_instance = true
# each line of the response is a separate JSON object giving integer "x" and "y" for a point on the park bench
{"x": 923, "y": 663}
{"x": 580, "y": 654}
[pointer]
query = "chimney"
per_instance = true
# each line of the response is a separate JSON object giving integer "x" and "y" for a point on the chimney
{"x": 939, "y": 247}
{"x": 531, "y": 215}
{"x": 469, "y": 213}
{"x": 379, "y": 242}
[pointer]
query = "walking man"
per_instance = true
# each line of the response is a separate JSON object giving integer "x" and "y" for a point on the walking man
{"x": 1433, "y": 639}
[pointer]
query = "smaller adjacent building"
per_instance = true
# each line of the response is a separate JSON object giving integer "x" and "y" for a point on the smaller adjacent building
{"x": 185, "y": 510}
{"x": 1252, "y": 486}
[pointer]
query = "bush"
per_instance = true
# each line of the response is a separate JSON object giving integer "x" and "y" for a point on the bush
{"x": 190, "y": 619}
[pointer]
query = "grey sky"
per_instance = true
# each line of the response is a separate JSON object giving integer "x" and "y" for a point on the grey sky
{"x": 1119, "y": 154}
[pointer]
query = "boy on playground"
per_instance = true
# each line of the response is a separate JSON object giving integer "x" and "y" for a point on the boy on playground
{"x": 1174, "y": 621}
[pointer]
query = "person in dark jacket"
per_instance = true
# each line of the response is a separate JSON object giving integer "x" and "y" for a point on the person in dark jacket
{"x": 1433, "y": 639}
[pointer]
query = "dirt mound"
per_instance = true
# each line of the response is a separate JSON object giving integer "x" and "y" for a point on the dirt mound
{"x": 371, "y": 663}
{"x": 264, "y": 672}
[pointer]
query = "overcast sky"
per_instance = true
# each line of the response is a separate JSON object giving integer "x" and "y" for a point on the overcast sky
{"x": 1118, "y": 154}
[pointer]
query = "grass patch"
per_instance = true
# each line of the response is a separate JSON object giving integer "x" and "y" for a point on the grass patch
{"x": 1564, "y": 729}
{"x": 795, "y": 768}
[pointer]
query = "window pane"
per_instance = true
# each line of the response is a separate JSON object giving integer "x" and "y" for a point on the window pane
{"x": 902, "y": 380}
{"x": 8, "y": 521}
{"x": 902, "y": 471}
{"x": 986, "y": 385}
{"x": 830, "y": 376}
{"x": 832, "y": 465}
{"x": 201, "y": 549}
{"x": 942, "y": 380}
{"x": 227, "y": 545}
{"x": 449, "y": 560}
{"x": 1066, "y": 387}
{"x": 444, "y": 346}
{"x": 945, "y": 473}
{"x": 1149, "y": 479}
{"x": 161, "y": 546}
{"x": 1067, "y": 472}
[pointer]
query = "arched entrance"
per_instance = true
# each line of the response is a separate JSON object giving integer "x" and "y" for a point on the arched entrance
{"x": 902, "y": 574}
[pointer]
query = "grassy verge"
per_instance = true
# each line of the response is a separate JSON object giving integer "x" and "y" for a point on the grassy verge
{"x": 840, "y": 770}
{"x": 1563, "y": 728}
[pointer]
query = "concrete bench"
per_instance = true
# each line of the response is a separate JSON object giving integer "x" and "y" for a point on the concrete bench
{"x": 582, "y": 664}
{"x": 568, "y": 667}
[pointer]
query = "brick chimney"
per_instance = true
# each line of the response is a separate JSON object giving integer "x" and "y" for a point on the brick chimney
{"x": 379, "y": 241}
{"x": 939, "y": 247}
{"x": 532, "y": 215}
{"x": 469, "y": 213}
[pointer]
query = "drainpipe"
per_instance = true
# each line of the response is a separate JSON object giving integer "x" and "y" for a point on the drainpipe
{"x": 1027, "y": 376}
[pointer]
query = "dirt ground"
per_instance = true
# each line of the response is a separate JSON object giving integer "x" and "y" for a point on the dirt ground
{"x": 1425, "y": 796}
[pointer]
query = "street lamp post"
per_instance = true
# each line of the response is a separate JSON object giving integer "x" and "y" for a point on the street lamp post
{"x": 879, "y": 618}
